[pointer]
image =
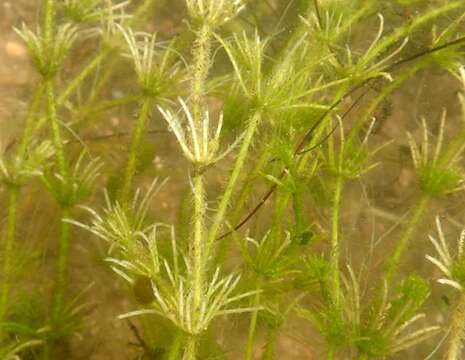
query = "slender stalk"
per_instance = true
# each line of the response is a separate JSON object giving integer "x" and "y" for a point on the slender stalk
{"x": 237, "y": 170}
{"x": 407, "y": 234}
{"x": 245, "y": 191}
{"x": 64, "y": 237}
{"x": 252, "y": 329}
{"x": 198, "y": 244}
{"x": 270, "y": 344}
{"x": 8, "y": 250}
{"x": 190, "y": 352}
{"x": 335, "y": 241}
{"x": 56, "y": 131}
{"x": 202, "y": 63}
{"x": 63, "y": 171}
{"x": 136, "y": 142}
{"x": 280, "y": 207}
{"x": 242, "y": 198}
{"x": 29, "y": 123}
{"x": 201, "y": 53}
{"x": 49, "y": 22}
{"x": 175, "y": 348}
{"x": 454, "y": 349}
{"x": 298, "y": 209}
{"x": 62, "y": 266}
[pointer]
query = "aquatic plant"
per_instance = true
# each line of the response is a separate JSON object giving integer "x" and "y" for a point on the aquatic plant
{"x": 279, "y": 97}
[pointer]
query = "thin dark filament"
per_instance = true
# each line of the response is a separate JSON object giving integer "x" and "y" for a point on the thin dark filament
{"x": 118, "y": 135}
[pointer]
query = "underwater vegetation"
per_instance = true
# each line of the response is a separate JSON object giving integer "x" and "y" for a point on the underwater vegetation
{"x": 248, "y": 179}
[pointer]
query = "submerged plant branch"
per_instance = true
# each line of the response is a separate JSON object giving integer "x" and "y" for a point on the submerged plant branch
{"x": 134, "y": 149}
{"x": 308, "y": 135}
{"x": 287, "y": 78}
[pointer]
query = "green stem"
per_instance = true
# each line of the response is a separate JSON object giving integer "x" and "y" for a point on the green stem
{"x": 407, "y": 234}
{"x": 49, "y": 23}
{"x": 190, "y": 352}
{"x": 8, "y": 250}
{"x": 175, "y": 347}
{"x": 252, "y": 329}
{"x": 55, "y": 128}
{"x": 241, "y": 199}
{"x": 454, "y": 349}
{"x": 335, "y": 241}
{"x": 202, "y": 63}
{"x": 198, "y": 253}
{"x": 29, "y": 123}
{"x": 280, "y": 208}
{"x": 245, "y": 192}
{"x": 237, "y": 170}
{"x": 62, "y": 267}
{"x": 134, "y": 150}
{"x": 298, "y": 208}
{"x": 270, "y": 344}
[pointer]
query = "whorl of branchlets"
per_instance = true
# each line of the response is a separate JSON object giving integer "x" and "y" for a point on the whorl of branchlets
{"x": 214, "y": 12}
